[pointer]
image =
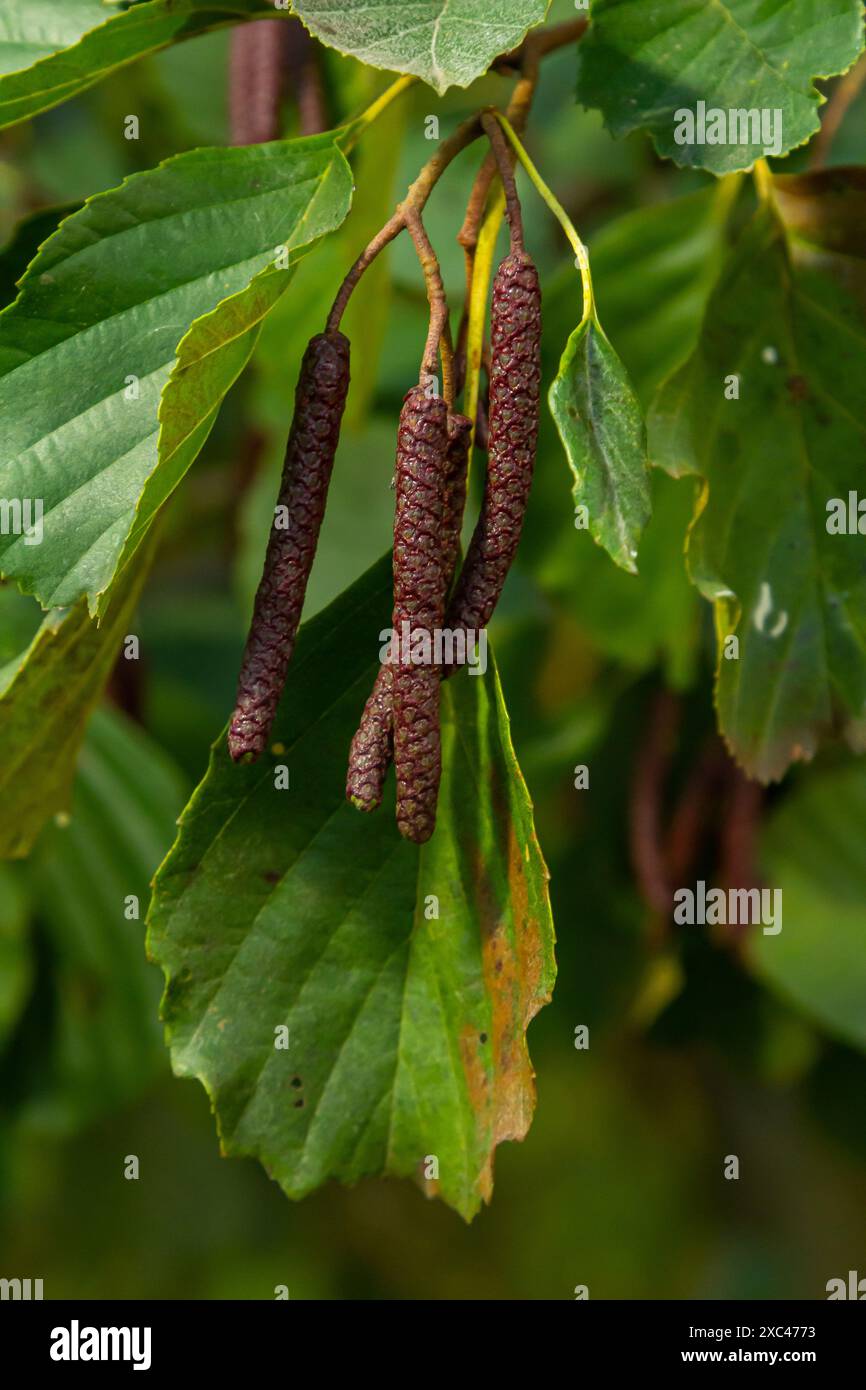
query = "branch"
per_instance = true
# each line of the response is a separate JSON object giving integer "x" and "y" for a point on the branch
{"x": 502, "y": 156}
{"x": 413, "y": 203}
{"x": 535, "y": 46}
{"x": 438, "y": 337}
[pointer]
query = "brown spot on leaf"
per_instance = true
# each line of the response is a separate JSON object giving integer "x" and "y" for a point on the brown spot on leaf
{"x": 798, "y": 387}
{"x": 501, "y": 1082}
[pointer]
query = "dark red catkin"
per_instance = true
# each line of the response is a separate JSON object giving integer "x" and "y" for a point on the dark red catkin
{"x": 320, "y": 397}
{"x": 456, "y": 463}
{"x": 257, "y": 72}
{"x": 515, "y": 381}
{"x": 419, "y": 608}
{"x": 372, "y": 749}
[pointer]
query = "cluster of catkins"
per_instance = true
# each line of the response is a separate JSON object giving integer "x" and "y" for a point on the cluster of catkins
{"x": 400, "y": 722}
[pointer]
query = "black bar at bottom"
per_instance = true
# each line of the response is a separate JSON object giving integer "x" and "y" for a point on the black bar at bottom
{"x": 83, "y": 1339}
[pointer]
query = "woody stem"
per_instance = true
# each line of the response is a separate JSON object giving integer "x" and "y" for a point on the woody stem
{"x": 438, "y": 337}
{"x": 502, "y": 155}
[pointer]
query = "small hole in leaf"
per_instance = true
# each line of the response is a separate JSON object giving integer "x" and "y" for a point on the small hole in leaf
{"x": 483, "y": 1038}
{"x": 296, "y": 1082}
{"x": 299, "y": 1104}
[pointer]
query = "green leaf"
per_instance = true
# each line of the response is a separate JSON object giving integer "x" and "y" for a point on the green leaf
{"x": 653, "y": 270}
{"x": 102, "y": 1028}
{"x": 644, "y": 64}
{"x": 50, "y": 50}
{"x": 602, "y": 431}
{"x": 444, "y": 42}
{"x": 637, "y": 620}
{"x": 107, "y": 392}
{"x": 20, "y": 617}
{"x": 785, "y": 327}
{"x": 406, "y": 977}
{"x": 46, "y": 698}
{"x": 815, "y": 854}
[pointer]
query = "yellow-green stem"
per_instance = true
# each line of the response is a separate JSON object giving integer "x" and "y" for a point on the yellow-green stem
{"x": 354, "y": 129}
{"x": 481, "y": 276}
{"x": 763, "y": 181}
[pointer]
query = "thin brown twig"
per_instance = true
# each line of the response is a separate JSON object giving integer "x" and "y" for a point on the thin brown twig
{"x": 502, "y": 155}
{"x": 543, "y": 41}
{"x": 386, "y": 234}
{"x": 414, "y": 202}
{"x": 438, "y": 337}
{"x": 467, "y": 237}
{"x": 528, "y": 56}
{"x": 844, "y": 95}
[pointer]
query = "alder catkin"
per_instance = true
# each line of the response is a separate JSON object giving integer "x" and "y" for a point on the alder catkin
{"x": 320, "y": 397}
{"x": 372, "y": 749}
{"x": 419, "y": 604}
{"x": 456, "y": 463}
{"x": 515, "y": 381}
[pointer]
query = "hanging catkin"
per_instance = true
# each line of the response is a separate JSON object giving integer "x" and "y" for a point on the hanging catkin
{"x": 419, "y": 608}
{"x": 515, "y": 381}
{"x": 372, "y": 748}
{"x": 320, "y": 398}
